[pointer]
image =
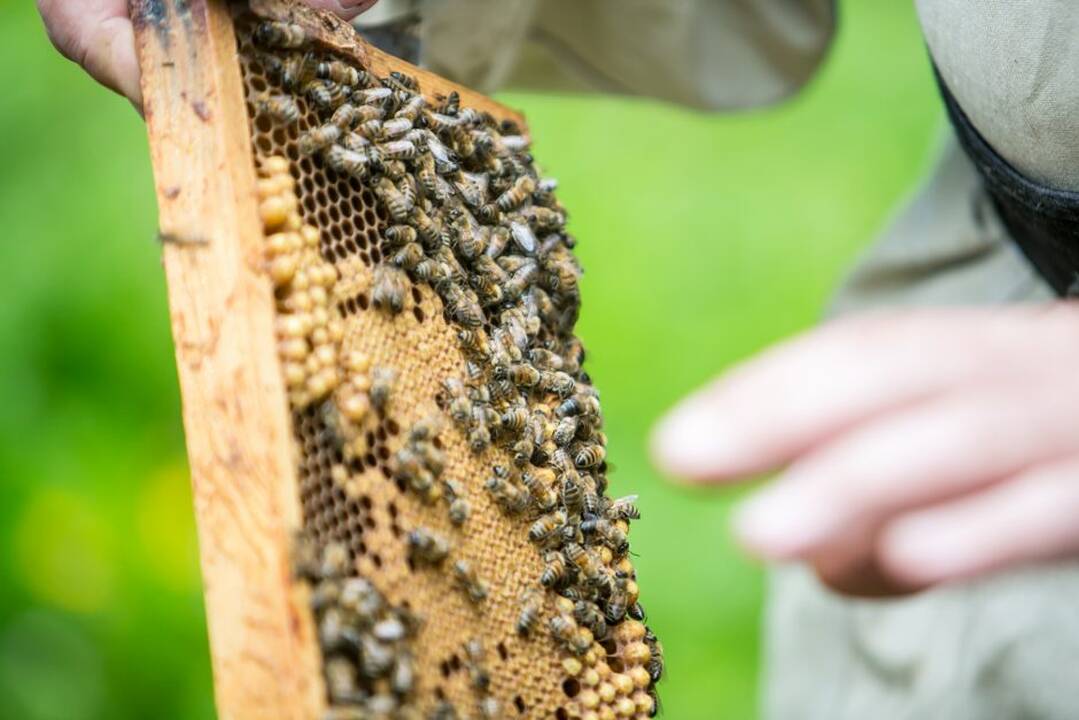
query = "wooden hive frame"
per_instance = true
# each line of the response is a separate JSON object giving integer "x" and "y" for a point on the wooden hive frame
{"x": 237, "y": 419}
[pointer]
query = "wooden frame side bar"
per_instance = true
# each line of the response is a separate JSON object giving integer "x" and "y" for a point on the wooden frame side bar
{"x": 236, "y": 417}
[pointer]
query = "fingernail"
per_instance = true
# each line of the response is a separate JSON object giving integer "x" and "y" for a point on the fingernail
{"x": 779, "y": 523}
{"x": 693, "y": 442}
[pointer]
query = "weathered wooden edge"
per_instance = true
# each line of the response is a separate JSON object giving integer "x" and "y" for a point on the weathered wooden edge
{"x": 236, "y": 417}
{"x": 335, "y": 34}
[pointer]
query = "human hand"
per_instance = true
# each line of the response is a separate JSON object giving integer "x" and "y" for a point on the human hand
{"x": 97, "y": 34}
{"x": 920, "y": 447}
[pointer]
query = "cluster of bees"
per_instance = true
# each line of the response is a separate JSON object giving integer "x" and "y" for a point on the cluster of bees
{"x": 472, "y": 219}
{"x": 369, "y": 670}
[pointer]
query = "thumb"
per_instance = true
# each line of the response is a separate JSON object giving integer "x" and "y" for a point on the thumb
{"x": 347, "y": 9}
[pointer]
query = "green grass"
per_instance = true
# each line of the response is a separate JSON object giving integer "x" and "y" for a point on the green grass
{"x": 704, "y": 238}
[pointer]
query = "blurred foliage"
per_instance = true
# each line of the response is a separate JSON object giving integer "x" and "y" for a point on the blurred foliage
{"x": 705, "y": 238}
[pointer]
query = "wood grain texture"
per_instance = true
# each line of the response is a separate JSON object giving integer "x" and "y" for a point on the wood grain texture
{"x": 335, "y": 34}
{"x": 238, "y": 427}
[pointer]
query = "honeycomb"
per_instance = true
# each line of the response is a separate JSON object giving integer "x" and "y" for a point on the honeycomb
{"x": 467, "y": 655}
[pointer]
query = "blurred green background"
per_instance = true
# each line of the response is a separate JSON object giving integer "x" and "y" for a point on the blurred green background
{"x": 705, "y": 238}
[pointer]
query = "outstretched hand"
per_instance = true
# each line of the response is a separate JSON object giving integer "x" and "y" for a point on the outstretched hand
{"x": 97, "y": 34}
{"x": 919, "y": 447}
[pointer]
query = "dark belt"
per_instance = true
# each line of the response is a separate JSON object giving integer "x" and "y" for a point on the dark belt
{"x": 1043, "y": 221}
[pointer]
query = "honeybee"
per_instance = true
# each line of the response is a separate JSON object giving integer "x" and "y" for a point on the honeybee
{"x": 469, "y": 581}
{"x": 400, "y": 235}
{"x": 478, "y": 674}
{"x": 547, "y": 526}
{"x": 403, "y": 674}
{"x": 408, "y": 257}
{"x": 591, "y": 501}
{"x": 460, "y": 510}
{"x": 412, "y": 108}
{"x": 339, "y": 72}
{"x": 470, "y": 241}
{"x": 376, "y": 659}
{"x": 361, "y": 599}
{"x": 584, "y": 560}
{"x": 348, "y": 116}
{"x": 510, "y": 497}
{"x": 401, "y": 82}
{"x": 326, "y": 95}
{"x": 489, "y": 214}
{"x": 544, "y": 219}
{"x": 558, "y": 382}
{"x": 516, "y": 196}
{"x": 428, "y": 178}
{"x": 370, "y": 96}
{"x": 563, "y": 275}
{"x": 399, "y": 150}
{"x": 389, "y": 630}
{"x": 398, "y": 204}
{"x": 655, "y": 662}
{"x": 570, "y": 635}
{"x": 335, "y": 561}
{"x": 531, "y": 607}
{"x": 523, "y": 237}
{"x": 333, "y": 632}
{"x": 319, "y": 138}
{"x": 451, "y": 104}
{"x": 463, "y": 140}
{"x": 580, "y": 404}
{"x": 471, "y": 191}
{"x": 543, "y": 496}
{"x": 430, "y": 230}
{"x": 554, "y": 569}
{"x": 446, "y": 161}
{"x": 281, "y": 108}
{"x": 563, "y": 628}
{"x": 588, "y": 456}
{"x": 589, "y": 615}
{"x": 358, "y": 143}
{"x": 520, "y": 280}
{"x": 572, "y": 495}
{"x": 520, "y": 143}
{"x": 296, "y": 70}
{"x": 524, "y": 449}
{"x": 341, "y": 682}
{"x": 479, "y": 434}
{"x": 394, "y": 128}
{"x": 497, "y": 239}
{"x": 426, "y": 547}
{"x": 440, "y": 122}
{"x": 545, "y": 359}
{"x": 463, "y": 308}
{"x": 565, "y": 431}
{"x": 346, "y": 162}
{"x": 523, "y": 375}
{"x": 280, "y": 35}
{"x": 425, "y": 429}
{"x": 382, "y": 380}
{"x": 515, "y": 418}
{"x": 624, "y": 508}
{"x": 390, "y": 289}
{"x": 617, "y": 602}
{"x": 455, "y": 400}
